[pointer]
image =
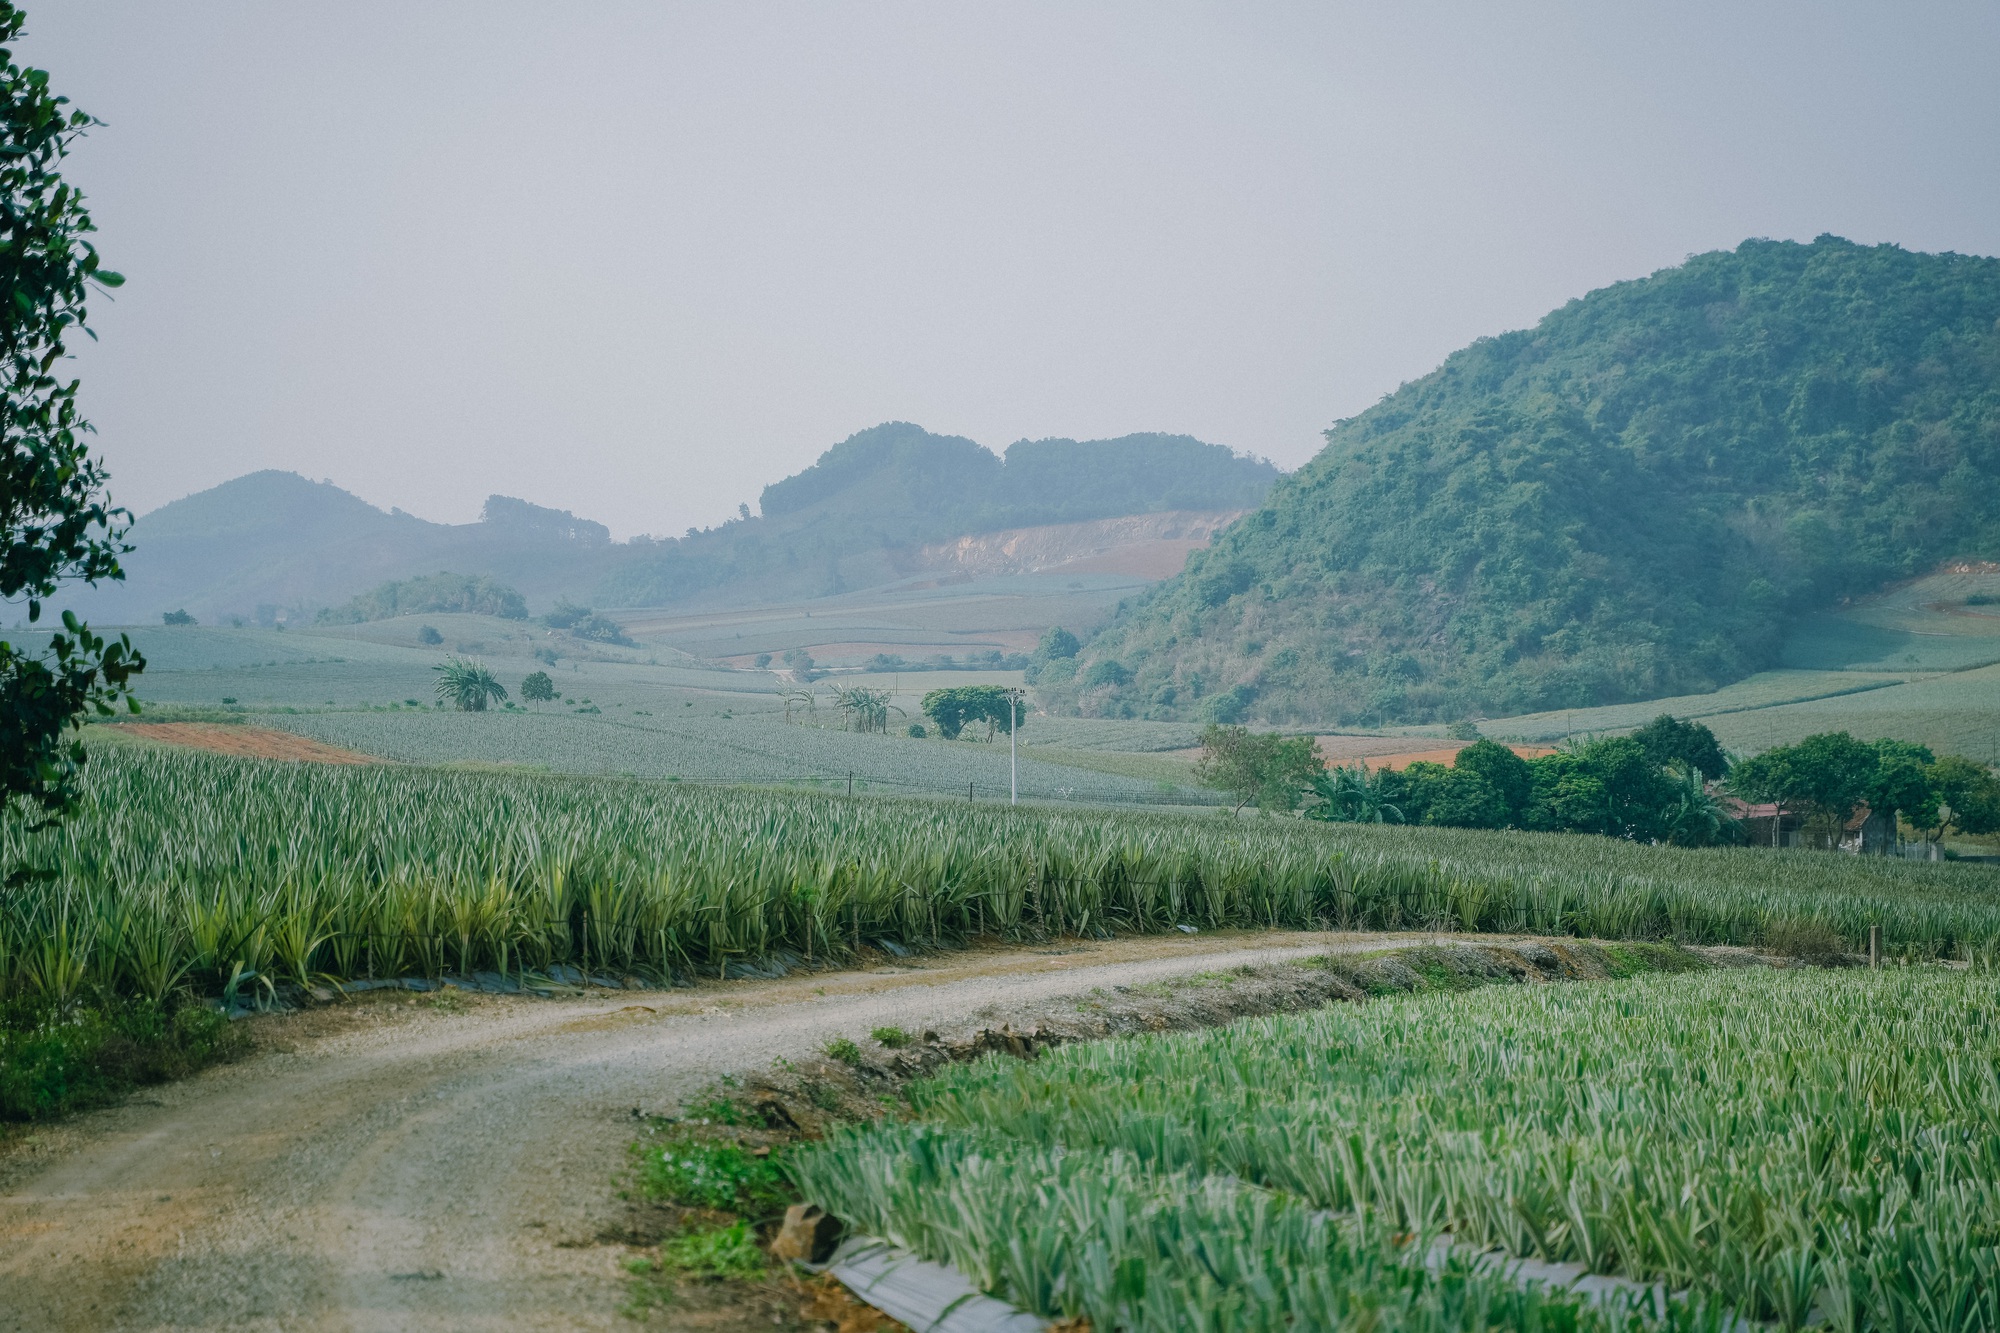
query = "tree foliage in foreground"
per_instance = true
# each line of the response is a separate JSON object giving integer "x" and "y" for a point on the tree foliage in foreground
{"x": 56, "y": 524}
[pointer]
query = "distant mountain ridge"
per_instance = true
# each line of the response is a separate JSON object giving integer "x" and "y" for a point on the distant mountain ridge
{"x": 846, "y": 521}
{"x": 1628, "y": 501}
{"x": 274, "y": 545}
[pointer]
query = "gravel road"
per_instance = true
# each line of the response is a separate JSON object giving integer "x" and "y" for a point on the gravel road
{"x": 402, "y": 1167}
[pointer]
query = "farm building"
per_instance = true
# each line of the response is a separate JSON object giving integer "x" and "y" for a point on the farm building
{"x": 1866, "y": 832}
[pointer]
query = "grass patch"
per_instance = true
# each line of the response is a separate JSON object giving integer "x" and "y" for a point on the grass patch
{"x": 844, "y": 1050}
{"x": 55, "y": 1060}
{"x": 693, "y": 1172}
{"x": 894, "y": 1038}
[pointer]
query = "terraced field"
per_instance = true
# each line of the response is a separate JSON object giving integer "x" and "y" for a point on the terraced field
{"x": 1767, "y": 689}
{"x": 1956, "y": 713}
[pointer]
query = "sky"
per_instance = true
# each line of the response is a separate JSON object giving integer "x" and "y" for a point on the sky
{"x": 639, "y": 260}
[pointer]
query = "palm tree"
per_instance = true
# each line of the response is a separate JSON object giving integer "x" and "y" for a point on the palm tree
{"x": 467, "y": 686}
{"x": 1694, "y": 818}
{"x": 1352, "y": 796}
{"x": 866, "y": 709}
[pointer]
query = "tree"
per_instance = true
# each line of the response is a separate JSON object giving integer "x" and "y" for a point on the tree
{"x": 1261, "y": 766}
{"x": 1502, "y": 770}
{"x": 1669, "y": 741}
{"x": 865, "y": 709}
{"x": 1902, "y": 784}
{"x": 1057, "y": 643}
{"x": 959, "y": 707}
{"x": 565, "y": 614}
{"x": 469, "y": 686}
{"x": 56, "y": 524}
{"x": 1463, "y": 798}
{"x": 536, "y": 687}
{"x": 1108, "y": 672}
{"x": 428, "y": 634}
{"x": 1694, "y": 818}
{"x": 177, "y": 618}
{"x": 1968, "y": 795}
{"x": 1827, "y": 776}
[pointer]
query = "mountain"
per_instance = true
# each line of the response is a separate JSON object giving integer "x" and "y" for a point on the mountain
{"x": 859, "y": 515}
{"x": 273, "y": 543}
{"x": 1628, "y": 500}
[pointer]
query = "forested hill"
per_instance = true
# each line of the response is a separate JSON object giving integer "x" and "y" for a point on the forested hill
{"x": 1626, "y": 501}
{"x": 842, "y": 522}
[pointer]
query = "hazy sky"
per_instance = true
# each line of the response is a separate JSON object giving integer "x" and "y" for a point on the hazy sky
{"x": 637, "y": 260}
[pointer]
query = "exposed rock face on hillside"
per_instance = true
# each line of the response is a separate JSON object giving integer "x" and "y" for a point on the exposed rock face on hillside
{"x": 1149, "y": 546}
{"x": 857, "y": 516}
{"x": 1627, "y": 501}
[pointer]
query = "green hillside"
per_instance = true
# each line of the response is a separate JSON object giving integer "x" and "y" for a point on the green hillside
{"x": 1635, "y": 498}
{"x": 842, "y": 522}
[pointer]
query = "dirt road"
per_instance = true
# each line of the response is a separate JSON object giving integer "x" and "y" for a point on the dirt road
{"x": 407, "y": 1168}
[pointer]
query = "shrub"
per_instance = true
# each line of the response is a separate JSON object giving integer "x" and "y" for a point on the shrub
{"x": 1808, "y": 941}
{"x": 844, "y": 1050}
{"x": 428, "y": 634}
{"x": 894, "y": 1038}
{"x": 55, "y": 1060}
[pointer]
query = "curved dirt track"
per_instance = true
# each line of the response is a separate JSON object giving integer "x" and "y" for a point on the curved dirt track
{"x": 423, "y": 1169}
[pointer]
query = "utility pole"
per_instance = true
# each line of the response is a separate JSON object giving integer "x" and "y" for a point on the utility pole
{"x": 1013, "y": 725}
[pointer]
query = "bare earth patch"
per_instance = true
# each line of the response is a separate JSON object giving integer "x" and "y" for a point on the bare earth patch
{"x": 244, "y": 741}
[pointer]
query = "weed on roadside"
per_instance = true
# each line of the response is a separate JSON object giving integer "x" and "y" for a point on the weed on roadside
{"x": 692, "y": 1172}
{"x": 55, "y": 1060}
